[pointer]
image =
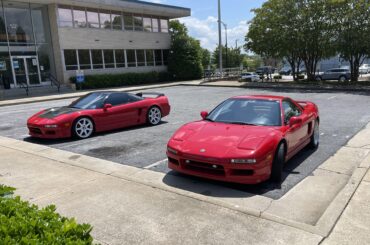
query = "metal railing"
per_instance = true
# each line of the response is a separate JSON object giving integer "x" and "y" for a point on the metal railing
{"x": 227, "y": 73}
{"x": 25, "y": 86}
{"x": 54, "y": 82}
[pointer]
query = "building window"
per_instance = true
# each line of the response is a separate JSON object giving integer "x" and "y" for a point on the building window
{"x": 158, "y": 57}
{"x": 70, "y": 59}
{"x": 155, "y": 25}
{"x": 129, "y": 22}
{"x": 97, "y": 59}
{"x": 84, "y": 59}
{"x": 120, "y": 58}
{"x": 92, "y": 19}
{"x": 117, "y": 21}
{"x": 65, "y": 17}
{"x": 105, "y": 20}
{"x": 164, "y": 25}
{"x": 79, "y": 17}
{"x": 140, "y": 55}
{"x": 109, "y": 58}
{"x": 149, "y": 58}
{"x": 147, "y": 24}
{"x": 138, "y": 23}
{"x": 165, "y": 56}
{"x": 131, "y": 58}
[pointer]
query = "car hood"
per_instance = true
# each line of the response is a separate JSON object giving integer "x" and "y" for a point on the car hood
{"x": 220, "y": 138}
{"x": 55, "y": 112}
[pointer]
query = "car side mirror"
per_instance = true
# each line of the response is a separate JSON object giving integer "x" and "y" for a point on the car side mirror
{"x": 204, "y": 114}
{"x": 107, "y": 106}
{"x": 294, "y": 121}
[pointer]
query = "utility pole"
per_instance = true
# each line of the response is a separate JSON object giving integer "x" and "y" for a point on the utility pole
{"x": 236, "y": 43}
{"x": 227, "y": 61}
{"x": 219, "y": 36}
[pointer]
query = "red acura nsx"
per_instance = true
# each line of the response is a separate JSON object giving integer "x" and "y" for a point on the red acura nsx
{"x": 246, "y": 139}
{"x": 97, "y": 112}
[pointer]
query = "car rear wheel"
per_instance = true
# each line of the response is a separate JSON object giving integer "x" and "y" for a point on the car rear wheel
{"x": 278, "y": 164}
{"x": 83, "y": 128}
{"x": 342, "y": 79}
{"x": 154, "y": 116}
{"x": 318, "y": 78}
{"x": 315, "y": 138}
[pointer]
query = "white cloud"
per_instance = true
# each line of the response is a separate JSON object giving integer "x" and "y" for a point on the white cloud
{"x": 207, "y": 31}
{"x": 156, "y": 1}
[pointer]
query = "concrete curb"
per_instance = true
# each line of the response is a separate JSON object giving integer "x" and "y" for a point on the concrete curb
{"x": 255, "y": 205}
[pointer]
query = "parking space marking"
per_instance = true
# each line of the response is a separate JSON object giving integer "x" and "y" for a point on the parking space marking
{"x": 156, "y": 164}
{"x": 333, "y": 97}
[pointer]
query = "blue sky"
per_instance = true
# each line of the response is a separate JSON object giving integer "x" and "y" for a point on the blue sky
{"x": 203, "y": 22}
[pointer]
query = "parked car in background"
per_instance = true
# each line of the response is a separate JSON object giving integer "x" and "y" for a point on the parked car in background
{"x": 250, "y": 76}
{"x": 339, "y": 74}
{"x": 285, "y": 71}
{"x": 365, "y": 69}
{"x": 263, "y": 70}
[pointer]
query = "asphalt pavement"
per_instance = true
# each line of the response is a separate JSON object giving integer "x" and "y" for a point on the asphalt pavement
{"x": 342, "y": 116}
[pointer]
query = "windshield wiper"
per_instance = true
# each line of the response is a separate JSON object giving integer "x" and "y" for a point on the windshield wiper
{"x": 210, "y": 120}
{"x": 243, "y": 123}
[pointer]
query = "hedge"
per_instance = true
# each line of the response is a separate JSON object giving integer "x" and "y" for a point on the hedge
{"x": 120, "y": 80}
{"x": 23, "y": 223}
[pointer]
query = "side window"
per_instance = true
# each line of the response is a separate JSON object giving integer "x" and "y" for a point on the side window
{"x": 134, "y": 98}
{"x": 117, "y": 99}
{"x": 290, "y": 110}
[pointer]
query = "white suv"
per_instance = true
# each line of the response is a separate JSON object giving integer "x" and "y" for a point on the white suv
{"x": 365, "y": 69}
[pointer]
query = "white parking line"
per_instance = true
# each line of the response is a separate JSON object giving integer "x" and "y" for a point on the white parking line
{"x": 156, "y": 164}
{"x": 332, "y": 97}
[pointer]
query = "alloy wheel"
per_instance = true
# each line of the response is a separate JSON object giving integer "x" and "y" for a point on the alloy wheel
{"x": 154, "y": 116}
{"x": 84, "y": 128}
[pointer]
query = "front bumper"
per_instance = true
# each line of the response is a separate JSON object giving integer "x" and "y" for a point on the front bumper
{"x": 220, "y": 170}
{"x": 39, "y": 131}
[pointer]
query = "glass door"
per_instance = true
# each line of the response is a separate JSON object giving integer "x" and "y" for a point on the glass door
{"x": 26, "y": 70}
{"x": 32, "y": 70}
{"x": 19, "y": 71}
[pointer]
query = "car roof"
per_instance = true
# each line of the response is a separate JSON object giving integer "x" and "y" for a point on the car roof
{"x": 261, "y": 97}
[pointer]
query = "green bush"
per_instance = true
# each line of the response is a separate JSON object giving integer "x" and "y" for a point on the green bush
{"x": 120, "y": 80}
{"x": 23, "y": 223}
{"x": 300, "y": 76}
{"x": 277, "y": 77}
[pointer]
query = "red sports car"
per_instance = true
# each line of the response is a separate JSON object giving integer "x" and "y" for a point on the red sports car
{"x": 246, "y": 139}
{"x": 97, "y": 112}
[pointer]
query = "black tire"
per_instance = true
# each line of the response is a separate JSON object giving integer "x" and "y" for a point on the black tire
{"x": 154, "y": 116}
{"x": 318, "y": 79}
{"x": 315, "y": 138}
{"x": 342, "y": 79}
{"x": 278, "y": 164}
{"x": 83, "y": 128}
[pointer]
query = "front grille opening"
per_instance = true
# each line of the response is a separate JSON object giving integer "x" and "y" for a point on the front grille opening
{"x": 206, "y": 168}
{"x": 242, "y": 172}
{"x": 174, "y": 161}
{"x": 35, "y": 130}
{"x": 50, "y": 132}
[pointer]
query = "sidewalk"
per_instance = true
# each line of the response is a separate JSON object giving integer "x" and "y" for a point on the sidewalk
{"x": 127, "y": 205}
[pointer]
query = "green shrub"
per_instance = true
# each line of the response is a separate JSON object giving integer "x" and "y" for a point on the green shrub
{"x": 300, "y": 76}
{"x": 23, "y": 223}
{"x": 120, "y": 80}
{"x": 277, "y": 77}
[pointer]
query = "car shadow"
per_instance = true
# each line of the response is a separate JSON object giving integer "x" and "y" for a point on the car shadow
{"x": 231, "y": 190}
{"x": 51, "y": 142}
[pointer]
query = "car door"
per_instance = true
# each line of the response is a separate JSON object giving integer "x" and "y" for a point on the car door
{"x": 295, "y": 133}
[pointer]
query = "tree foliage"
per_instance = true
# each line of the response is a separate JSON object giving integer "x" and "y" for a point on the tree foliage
{"x": 231, "y": 57}
{"x": 185, "y": 58}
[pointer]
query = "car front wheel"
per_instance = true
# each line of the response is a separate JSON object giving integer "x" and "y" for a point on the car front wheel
{"x": 342, "y": 79}
{"x": 83, "y": 128}
{"x": 315, "y": 138}
{"x": 278, "y": 164}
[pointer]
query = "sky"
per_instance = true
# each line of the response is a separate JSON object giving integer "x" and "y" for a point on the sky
{"x": 202, "y": 24}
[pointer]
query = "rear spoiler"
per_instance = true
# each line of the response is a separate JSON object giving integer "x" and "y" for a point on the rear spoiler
{"x": 143, "y": 94}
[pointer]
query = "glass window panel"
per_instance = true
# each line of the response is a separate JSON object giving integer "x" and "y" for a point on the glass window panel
{"x": 84, "y": 59}
{"x": 41, "y": 23}
{"x": 79, "y": 16}
{"x": 155, "y": 25}
{"x": 3, "y": 36}
{"x": 97, "y": 59}
{"x": 117, "y": 21}
{"x": 70, "y": 59}
{"x": 131, "y": 58}
{"x": 164, "y": 25}
{"x": 65, "y": 17}
{"x": 140, "y": 54}
{"x": 120, "y": 58}
{"x": 108, "y": 58}
{"x": 149, "y": 58}
{"x": 147, "y": 24}
{"x": 165, "y": 56}
{"x": 158, "y": 57}
{"x": 138, "y": 23}
{"x": 105, "y": 21}
{"x": 92, "y": 18}
{"x": 129, "y": 22}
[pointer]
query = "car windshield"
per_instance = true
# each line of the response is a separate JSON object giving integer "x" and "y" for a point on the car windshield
{"x": 257, "y": 112}
{"x": 90, "y": 101}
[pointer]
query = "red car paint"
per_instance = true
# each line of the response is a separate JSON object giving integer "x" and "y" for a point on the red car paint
{"x": 205, "y": 148}
{"x": 116, "y": 117}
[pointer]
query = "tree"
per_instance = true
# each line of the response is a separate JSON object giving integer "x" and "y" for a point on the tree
{"x": 185, "y": 57}
{"x": 352, "y": 21}
{"x": 206, "y": 58}
{"x": 234, "y": 57}
{"x": 252, "y": 62}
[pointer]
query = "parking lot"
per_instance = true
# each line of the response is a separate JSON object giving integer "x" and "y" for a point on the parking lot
{"x": 342, "y": 116}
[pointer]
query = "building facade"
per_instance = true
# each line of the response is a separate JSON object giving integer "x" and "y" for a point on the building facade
{"x": 40, "y": 39}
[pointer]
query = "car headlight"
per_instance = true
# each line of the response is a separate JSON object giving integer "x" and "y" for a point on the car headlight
{"x": 51, "y": 126}
{"x": 173, "y": 151}
{"x": 243, "y": 161}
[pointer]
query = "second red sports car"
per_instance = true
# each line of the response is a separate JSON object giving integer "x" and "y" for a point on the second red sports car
{"x": 97, "y": 112}
{"x": 246, "y": 139}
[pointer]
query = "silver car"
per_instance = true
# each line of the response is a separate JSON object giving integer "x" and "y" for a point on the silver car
{"x": 250, "y": 76}
{"x": 339, "y": 74}
{"x": 365, "y": 69}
